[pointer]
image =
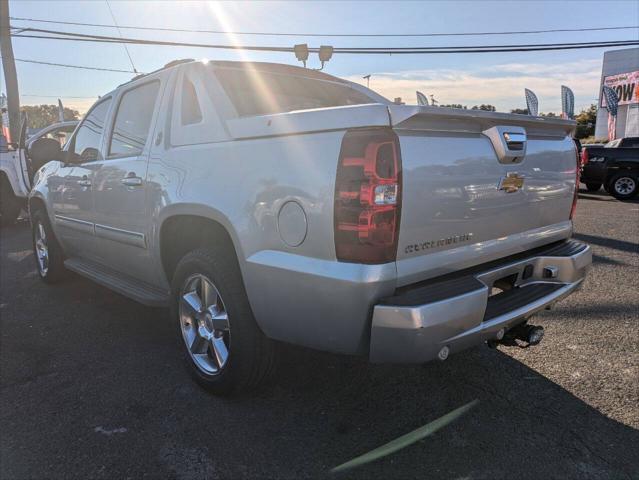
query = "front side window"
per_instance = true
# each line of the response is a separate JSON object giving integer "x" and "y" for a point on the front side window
{"x": 86, "y": 143}
{"x": 133, "y": 120}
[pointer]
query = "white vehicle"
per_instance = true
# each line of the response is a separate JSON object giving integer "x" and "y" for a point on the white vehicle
{"x": 267, "y": 202}
{"x": 16, "y": 169}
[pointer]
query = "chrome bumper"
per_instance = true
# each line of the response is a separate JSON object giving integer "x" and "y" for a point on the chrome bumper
{"x": 414, "y": 325}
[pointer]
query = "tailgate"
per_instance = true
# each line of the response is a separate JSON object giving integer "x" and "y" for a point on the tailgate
{"x": 463, "y": 200}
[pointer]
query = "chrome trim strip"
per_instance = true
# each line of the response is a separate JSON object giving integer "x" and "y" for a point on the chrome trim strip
{"x": 120, "y": 235}
{"x": 75, "y": 224}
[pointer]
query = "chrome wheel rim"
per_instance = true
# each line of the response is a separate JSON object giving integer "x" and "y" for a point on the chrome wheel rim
{"x": 42, "y": 249}
{"x": 624, "y": 185}
{"x": 205, "y": 325}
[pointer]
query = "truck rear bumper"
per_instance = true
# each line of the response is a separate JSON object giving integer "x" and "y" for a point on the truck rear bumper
{"x": 415, "y": 324}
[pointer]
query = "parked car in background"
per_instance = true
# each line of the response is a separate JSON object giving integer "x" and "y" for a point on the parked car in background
{"x": 615, "y": 166}
{"x": 17, "y": 167}
{"x": 267, "y": 202}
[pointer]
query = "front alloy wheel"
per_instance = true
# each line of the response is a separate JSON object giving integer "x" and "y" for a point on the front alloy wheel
{"x": 205, "y": 324}
{"x": 41, "y": 249}
{"x": 47, "y": 251}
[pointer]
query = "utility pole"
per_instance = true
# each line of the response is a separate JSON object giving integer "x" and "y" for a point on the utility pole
{"x": 10, "y": 75}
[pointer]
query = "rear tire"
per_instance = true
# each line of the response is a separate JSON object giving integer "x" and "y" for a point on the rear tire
{"x": 224, "y": 349}
{"x": 624, "y": 185}
{"x": 48, "y": 253}
{"x": 10, "y": 205}
{"x": 593, "y": 187}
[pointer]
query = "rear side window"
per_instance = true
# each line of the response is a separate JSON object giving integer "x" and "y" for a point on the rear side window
{"x": 253, "y": 92}
{"x": 191, "y": 112}
{"x": 86, "y": 142}
{"x": 133, "y": 120}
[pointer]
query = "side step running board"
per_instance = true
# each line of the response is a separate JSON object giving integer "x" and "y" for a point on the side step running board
{"x": 120, "y": 283}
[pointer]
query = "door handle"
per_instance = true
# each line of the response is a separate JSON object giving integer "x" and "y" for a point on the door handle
{"x": 85, "y": 182}
{"x": 131, "y": 180}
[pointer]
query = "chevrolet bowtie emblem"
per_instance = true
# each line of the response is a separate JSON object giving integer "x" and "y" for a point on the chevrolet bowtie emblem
{"x": 511, "y": 182}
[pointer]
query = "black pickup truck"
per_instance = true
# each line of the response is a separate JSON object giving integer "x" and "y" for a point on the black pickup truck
{"x": 614, "y": 165}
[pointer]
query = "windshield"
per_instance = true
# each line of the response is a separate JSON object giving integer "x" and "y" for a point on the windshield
{"x": 254, "y": 92}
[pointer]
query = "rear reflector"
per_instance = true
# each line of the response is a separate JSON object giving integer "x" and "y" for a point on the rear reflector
{"x": 368, "y": 197}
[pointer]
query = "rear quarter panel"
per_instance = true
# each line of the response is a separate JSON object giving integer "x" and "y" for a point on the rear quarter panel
{"x": 299, "y": 293}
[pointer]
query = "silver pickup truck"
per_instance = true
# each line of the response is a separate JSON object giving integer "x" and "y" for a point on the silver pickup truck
{"x": 266, "y": 202}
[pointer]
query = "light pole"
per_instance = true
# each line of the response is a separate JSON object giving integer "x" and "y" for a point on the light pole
{"x": 368, "y": 80}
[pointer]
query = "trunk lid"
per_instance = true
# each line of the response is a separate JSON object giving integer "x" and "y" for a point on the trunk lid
{"x": 479, "y": 186}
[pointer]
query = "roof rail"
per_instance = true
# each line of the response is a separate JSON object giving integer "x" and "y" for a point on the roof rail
{"x": 172, "y": 63}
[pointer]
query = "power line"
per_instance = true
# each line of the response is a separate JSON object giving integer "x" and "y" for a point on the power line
{"x": 54, "y": 96}
{"x": 50, "y": 34}
{"x": 369, "y": 35}
{"x": 82, "y": 67}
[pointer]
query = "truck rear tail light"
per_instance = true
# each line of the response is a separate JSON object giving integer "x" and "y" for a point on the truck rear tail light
{"x": 584, "y": 156}
{"x": 368, "y": 197}
{"x": 577, "y": 177}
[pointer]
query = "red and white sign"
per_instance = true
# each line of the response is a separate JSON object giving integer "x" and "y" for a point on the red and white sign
{"x": 626, "y": 85}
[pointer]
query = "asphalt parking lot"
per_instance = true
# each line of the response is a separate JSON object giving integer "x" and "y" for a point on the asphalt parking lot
{"x": 92, "y": 386}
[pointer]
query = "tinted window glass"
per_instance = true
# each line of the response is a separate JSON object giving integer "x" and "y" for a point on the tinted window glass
{"x": 260, "y": 93}
{"x": 191, "y": 112}
{"x": 133, "y": 120}
{"x": 86, "y": 143}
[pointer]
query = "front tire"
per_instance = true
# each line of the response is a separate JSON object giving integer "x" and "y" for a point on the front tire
{"x": 593, "y": 187}
{"x": 224, "y": 349}
{"x": 48, "y": 253}
{"x": 624, "y": 185}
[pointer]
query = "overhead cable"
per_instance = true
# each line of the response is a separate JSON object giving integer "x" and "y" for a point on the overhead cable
{"x": 289, "y": 34}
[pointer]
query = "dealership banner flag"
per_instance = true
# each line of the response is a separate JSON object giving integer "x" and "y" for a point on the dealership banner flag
{"x": 567, "y": 102}
{"x": 531, "y": 102}
{"x": 612, "y": 102}
{"x": 625, "y": 85}
{"x": 421, "y": 98}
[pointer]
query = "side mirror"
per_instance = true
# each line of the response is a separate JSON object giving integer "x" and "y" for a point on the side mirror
{"x": 89, "y": 154}
{"x": 44, "y": 150}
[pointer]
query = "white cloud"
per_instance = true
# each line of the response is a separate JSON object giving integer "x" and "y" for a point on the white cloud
{"x": 500, "y": 85}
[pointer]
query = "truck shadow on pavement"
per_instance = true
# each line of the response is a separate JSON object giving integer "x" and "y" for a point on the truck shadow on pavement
{"x": 93, "y": 386}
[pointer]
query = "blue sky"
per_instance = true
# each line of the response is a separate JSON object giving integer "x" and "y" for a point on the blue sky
{"x": 497, "y": 78}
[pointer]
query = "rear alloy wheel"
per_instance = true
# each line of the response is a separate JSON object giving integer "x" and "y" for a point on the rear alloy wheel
{"x": 224, "y": 348}
{"x": 593, "y": 187}
{"x": 205, "y": 324}
{"x": 624, "y": 185}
